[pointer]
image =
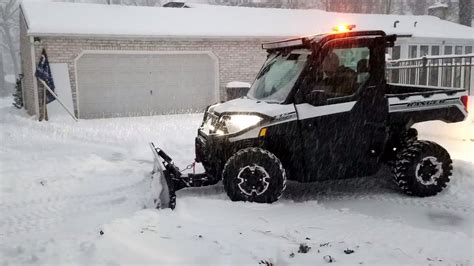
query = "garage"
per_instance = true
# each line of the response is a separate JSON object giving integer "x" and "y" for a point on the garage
{"x": 118, "y": 83}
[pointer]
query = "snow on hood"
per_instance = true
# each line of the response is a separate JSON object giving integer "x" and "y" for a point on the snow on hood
{"x": 245, "y": 105}
{"x": 74, "y": 19}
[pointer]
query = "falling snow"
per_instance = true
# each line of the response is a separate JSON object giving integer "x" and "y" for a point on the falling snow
{"x": 73, "y": 193}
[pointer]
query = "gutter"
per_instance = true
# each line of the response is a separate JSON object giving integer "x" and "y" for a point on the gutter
{"x": 168, "y": 37}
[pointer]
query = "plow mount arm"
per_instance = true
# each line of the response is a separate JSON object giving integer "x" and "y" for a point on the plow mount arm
{"x": 168, "y": 178}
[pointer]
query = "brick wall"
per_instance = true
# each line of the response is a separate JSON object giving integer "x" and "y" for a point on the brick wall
{"x": 238, "y": 59}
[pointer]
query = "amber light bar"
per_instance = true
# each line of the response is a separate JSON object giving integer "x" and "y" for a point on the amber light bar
{"x": 343, "y": 28}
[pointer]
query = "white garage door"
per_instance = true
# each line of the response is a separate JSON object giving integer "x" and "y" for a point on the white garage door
{"x": 114, "y": 85}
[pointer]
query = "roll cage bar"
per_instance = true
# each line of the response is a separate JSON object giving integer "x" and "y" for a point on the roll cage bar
{"x": 316, "y": 41}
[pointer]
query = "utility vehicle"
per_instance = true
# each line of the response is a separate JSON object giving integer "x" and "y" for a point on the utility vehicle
{"x": 320, "y": 108}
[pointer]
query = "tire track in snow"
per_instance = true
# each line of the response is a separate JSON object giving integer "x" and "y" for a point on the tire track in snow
{"x": 20, "y": 204}
{"x": 401, "y": 200}
{"x": 313, "y": 192}
{"x": 44, "y": 213}
{"x": 372, "y": 188}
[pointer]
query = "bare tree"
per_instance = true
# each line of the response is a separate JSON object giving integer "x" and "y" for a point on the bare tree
{"x": 8, "y": 21}
{"x": 397, "y": 7}
{"x": 465, "y": 12}
{"x": 347, "y": 6}
{"x": 417, "y": 7}
{"x": 388, "y": 6}
{"x": 2, "y": 74}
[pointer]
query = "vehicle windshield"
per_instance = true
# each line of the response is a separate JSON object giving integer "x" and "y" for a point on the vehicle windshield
{"x": 278, "y": 75}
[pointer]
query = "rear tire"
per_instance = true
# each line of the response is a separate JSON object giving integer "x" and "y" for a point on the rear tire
{"x": 422, "y": 168}
{"x": 255, "y": 175}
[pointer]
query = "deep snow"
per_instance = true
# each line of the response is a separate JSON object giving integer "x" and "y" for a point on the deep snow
{"x": 62, "y": 183}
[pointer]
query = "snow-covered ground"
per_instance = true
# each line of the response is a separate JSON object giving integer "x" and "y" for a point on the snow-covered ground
{"x": 62, "y": 183}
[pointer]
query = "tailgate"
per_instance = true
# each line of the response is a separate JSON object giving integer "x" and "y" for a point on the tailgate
{"x": 449, "y": 105}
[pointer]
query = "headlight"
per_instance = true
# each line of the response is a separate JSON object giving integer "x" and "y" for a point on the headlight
{"x": 230, "y": 124}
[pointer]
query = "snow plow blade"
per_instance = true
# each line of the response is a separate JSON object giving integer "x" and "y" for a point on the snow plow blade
{"x": 167, "y": 179}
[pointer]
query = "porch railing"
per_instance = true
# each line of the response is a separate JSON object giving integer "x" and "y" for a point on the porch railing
{"x": 450, "y": 71}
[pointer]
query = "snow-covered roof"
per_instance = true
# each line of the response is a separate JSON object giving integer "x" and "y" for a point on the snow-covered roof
{"x": 208, "y": 21}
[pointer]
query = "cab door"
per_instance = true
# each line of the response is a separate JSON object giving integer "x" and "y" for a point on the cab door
{"x": 342, "y": 115}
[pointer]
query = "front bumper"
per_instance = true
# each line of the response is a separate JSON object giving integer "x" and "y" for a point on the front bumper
{"x": 210, "y": 151}
{"x": 213, "y": 151}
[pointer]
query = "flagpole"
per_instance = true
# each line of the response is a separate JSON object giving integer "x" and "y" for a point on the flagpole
{"x": 57, "y": 98}
{"x": 45, "y": 117}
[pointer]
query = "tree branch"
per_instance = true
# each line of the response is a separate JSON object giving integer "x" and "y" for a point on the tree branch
{"x": 10, "y": 5}
{"x": 12, "y": 13}
{"x": 5, "y": 46}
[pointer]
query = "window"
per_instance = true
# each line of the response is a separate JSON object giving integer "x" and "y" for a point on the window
{"x": 411, "y": 73}
{"x": 394, "y": 74}
{"x": 434, "y": 71}
{"x": 448, "y": 50}
{"x": 447, "y": 71}
{"x": 422, "y": 75}
{"x": 396, "y": 53}
{"x": 278, "y": 76}
{"x": 457, "y": 67}
{"x": 424, "y": 50}
{"x": 412, "y": 51}
{"x": 467, "y": 70}
{"x": 343, "y": 71}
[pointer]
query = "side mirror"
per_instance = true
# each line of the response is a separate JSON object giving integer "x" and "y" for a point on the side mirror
{"x": 317, "y": 98}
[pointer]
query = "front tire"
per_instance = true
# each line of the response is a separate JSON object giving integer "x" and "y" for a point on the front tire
{"x": 255, "y": 175}
{"x": 422, "y": 168}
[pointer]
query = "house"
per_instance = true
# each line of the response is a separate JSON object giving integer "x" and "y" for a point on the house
{"x": 129, "y": 60}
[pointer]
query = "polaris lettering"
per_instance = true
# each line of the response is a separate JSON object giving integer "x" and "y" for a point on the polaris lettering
{"x": 426, "y": 103}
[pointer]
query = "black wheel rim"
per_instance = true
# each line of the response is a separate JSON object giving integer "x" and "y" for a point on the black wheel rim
{"x": 428, "y": 170}
{"x": 253, "y": 180}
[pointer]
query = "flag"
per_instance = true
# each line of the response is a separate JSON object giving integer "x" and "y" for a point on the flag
{"x": 43, "y": 72}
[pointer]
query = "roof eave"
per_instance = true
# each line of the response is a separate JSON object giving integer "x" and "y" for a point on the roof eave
{"x": 176, "y": 37}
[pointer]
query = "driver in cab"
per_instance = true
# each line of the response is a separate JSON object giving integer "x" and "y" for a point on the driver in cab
{"x": 337, "y": 79}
